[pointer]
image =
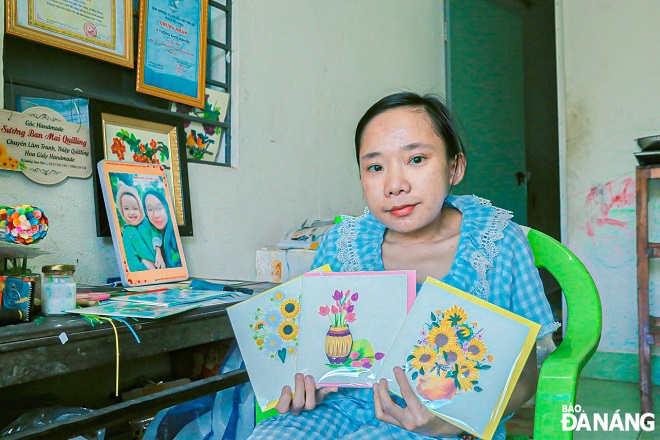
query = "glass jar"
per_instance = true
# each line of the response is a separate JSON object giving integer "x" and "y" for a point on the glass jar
{"x": 58, "y": 289}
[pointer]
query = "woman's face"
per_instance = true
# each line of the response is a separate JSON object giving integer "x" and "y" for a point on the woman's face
{"x": 130, "y": 209}
{"x": 404, "y": 171}
{"x": 155, "y": 211}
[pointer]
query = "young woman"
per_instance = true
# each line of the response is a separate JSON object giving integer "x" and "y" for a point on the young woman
{"x": 410, "y": 156}
{"x": 158, "y": 214}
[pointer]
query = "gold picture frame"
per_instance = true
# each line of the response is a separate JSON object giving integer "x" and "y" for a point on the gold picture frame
{"x": 101, "y": 29}
{"x": 134, "y": 135}
{"x": 171, "y": 60}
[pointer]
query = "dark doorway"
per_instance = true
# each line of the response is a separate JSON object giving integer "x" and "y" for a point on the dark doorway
{"x": 502, "y": 83}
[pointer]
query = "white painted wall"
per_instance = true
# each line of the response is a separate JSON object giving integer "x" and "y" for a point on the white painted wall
{"x": 612, "y": 96}
{"x": 304, "y": 71}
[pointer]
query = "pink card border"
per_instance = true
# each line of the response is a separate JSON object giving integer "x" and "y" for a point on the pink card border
{"x": 411, "y": 274}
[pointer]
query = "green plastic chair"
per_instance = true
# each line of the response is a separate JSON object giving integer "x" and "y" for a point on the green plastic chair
{"x": 558, "y": 378}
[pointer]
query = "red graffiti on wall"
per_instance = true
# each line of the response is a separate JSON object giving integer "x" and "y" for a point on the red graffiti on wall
{"x": 603, "y": 198}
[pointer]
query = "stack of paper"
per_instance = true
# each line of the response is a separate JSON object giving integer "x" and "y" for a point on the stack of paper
{"x": 158, "y": 304}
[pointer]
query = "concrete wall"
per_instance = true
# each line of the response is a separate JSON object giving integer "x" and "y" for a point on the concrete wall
{"x": 610, "y": 65}
{"x": 304, "y": 72}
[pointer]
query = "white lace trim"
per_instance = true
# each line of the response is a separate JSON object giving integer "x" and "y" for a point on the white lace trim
{"x": 548, "y": 329}
{"x": 346, "y": 252}
{"x": 482, "y": 259}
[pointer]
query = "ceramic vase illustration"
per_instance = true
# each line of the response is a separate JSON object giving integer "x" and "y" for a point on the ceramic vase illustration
{"x": 436, "y": 388}
{"x": 338, "y": 343}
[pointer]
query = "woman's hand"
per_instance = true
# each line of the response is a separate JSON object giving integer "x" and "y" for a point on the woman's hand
{"x": 305, "y": 398}
{"x": 160, "y": 261}
{"x": 414, "y": 417}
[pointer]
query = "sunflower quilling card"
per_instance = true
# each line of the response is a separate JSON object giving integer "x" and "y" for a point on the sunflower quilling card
{"x": 461, "y": 355}
{"x": 267, "y": 328}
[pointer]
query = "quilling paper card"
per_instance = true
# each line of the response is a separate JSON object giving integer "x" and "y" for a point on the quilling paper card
{"x": 462, "y": 356}
{"x": 348, "y": 321}
{"x": 267, "y": 329}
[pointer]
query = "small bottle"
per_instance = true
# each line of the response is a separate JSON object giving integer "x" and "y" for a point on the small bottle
{"x": 58, "y": 289}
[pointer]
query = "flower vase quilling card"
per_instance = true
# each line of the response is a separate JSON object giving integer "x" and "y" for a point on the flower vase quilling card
{"x": 462, "y": 356}
{"x": 266, "y": 327}
{"x": 348, "y": 321}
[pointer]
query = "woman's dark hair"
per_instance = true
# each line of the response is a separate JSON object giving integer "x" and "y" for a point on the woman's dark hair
{"x": 443, "y": 121}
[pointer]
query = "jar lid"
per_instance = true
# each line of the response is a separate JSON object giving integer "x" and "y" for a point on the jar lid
{"x": 59, "y": 268}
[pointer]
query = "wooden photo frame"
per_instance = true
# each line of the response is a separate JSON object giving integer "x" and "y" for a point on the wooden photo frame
{"x": 171, "y": 61}
{"x": 102, "y": 29}
{"x": 133, "y": 135}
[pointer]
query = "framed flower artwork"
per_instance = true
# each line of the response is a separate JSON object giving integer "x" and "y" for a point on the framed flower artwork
{"x": 205, "y": 139}
{"x": 133, "y": 135}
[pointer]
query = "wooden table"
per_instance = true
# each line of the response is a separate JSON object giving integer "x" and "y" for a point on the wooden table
{"x": 66, "y": 344}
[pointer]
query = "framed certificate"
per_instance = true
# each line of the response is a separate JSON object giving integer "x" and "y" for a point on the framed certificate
{"x": 101, "y": 29}
{"x": 172, "y": 50}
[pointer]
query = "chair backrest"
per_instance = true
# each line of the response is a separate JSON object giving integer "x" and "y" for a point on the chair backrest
{"x": 559, "y": 373}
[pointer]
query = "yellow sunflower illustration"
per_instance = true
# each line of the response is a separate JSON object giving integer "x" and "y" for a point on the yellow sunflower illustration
{"x": 278, "y": 295}
{"x": 290, "y": 308}
{"x": 454, "y": 315}
{"x": 259, "y": 325}
{"x": 466, "y": 374}
{"x": 476, "y": 350}
{"x": 442, "y": 336}
{"x": 423, "y": 357}
{"x": 452, "y": 354}
{"x": 287, "y": 330}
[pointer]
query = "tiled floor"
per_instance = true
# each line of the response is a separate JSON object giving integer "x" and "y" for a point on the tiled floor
{"x": 603, "y": 397}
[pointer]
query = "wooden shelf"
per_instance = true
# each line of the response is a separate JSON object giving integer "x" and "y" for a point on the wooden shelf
{"x": 648, "y": 326}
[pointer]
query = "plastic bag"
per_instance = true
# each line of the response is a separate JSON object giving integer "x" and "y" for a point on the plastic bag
{"x": 46, "y": 416}
{"x": 225, "y": 415}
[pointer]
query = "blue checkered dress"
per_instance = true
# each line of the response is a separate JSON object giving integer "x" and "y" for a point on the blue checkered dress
{"x": 493, "y": 261}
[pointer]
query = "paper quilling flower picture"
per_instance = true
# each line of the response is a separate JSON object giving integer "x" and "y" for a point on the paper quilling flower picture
{"x": 449, "y": 357}
{"x": 461, "y": 355}
{"x": 348, "y": 321}
{"x": 275, "y": 326}
{"x": 340, "y": 347}
{"x": 267, "y": 329}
